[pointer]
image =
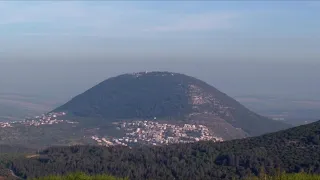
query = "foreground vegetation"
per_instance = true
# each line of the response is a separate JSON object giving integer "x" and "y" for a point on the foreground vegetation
{"x": 80, "y": 176}
{"x": 284, "y": 176}
{"x": 83, "y": 176}
{"x": 294, "y": 150}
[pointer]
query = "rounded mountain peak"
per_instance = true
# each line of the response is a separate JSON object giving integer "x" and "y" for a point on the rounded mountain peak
{"x": 167, "y": 95}
{"x": 138, "y": 95}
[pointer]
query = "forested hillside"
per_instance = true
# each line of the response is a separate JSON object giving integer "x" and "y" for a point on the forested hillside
{"x": 284, "y": 176}
{"x": 169, "y": 96}
{"x": 292, "y": 151}
{"x": 280, "y": 176}
{"x": 80, "y": 176}
{"x": 13, "y": 149}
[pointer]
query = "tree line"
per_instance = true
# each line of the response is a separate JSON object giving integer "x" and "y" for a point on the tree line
{"x": 292, "y": 151}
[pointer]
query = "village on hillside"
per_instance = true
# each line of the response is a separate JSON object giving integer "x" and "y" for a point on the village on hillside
{"x": 156, "y": 133}
{"x": 44, "y": 119}
{"x": 149, "y": 132}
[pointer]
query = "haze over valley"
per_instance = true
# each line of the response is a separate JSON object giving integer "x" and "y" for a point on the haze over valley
{"x": 159, "y": 90}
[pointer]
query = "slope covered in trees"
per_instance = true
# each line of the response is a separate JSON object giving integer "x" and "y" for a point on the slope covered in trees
{"x": 80, "y": 176}
{"x": 294, "y": 150}
{"x": 284, "y": 176}
{"x": 13, "y": 149}
{"x": 169, "y": 96}
{"x": 280, "y": 176}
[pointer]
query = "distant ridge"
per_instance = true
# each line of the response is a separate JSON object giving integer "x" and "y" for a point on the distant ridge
{"x": 169, "y": 96}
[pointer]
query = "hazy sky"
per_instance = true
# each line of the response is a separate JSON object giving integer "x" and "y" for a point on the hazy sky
{"x": 43, "y": 42}
{"x": 131, "y": 30}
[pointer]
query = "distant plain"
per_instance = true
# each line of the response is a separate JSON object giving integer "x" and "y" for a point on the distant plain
{"x": 15, "y": 107}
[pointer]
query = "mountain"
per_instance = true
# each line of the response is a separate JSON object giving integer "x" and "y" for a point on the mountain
{"x": 293, "y": 150}
{"x": 173, "y": 97}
